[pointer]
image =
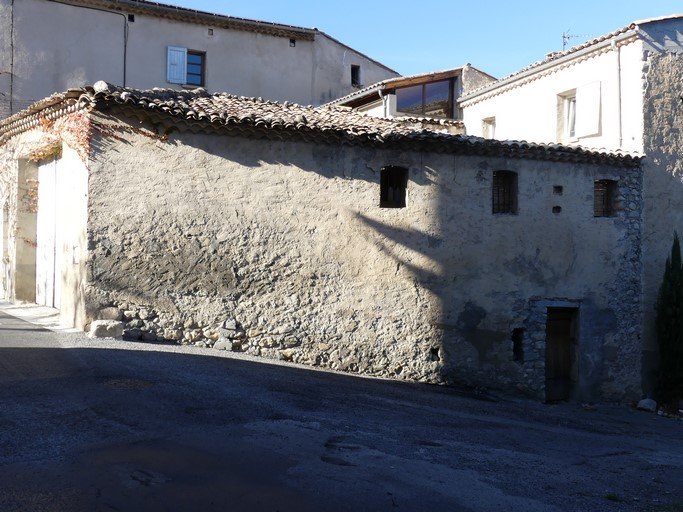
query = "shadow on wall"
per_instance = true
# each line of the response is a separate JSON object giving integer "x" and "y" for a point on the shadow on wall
{"x": 287, "y": 242}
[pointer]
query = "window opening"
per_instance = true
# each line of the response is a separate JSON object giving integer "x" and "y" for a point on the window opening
{"x": 186, "y": 67}
{"x": 195, "y": 68}
{"x": 558, "y": 190}
{"x": 488, "y": 128}
{"x": 393, "y": 184}
{"x": 355, "y": 75}
{"x": 504, "y": 192}
{"x": 557, "y": 209}
{"x": 131, "y": 18}
{"x": 518, "y": 345}
{"x": 604, "y": 194}
{"x": 210, "y": 32}
{"x": 570, "y": 117}
{"x": 434, "y": 99}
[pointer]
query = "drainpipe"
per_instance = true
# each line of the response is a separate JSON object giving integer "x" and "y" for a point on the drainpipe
{"x": 619, "y": 114}
{"x": 125, "y": 30}
{"x": 384, "y": 101}
{"x": 11, "y": 60}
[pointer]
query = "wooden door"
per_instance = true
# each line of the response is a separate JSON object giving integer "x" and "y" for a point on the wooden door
{"x": 560, "y": 353}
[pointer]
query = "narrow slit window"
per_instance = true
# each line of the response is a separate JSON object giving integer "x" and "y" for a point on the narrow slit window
{"x": 604, "y": 198}
{"x": 518, "y": 345}
{"x": 393, "y": 184}
{"x": 355, "y": 75}
{"x": 504, "y": 192}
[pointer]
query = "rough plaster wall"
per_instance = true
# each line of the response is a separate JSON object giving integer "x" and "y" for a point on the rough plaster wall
{"x": 44, "y": 65}
{"x": 473, "y": 79}
{"x": 332, "y": 70}
{"x": 663, "y": 186}
{"x": 5, "y": 57}
{"x": 281, "y": 248}
{"x": 8, "y": 198}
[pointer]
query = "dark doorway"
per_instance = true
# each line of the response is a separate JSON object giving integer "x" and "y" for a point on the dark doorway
{"x": 561, "y": 369}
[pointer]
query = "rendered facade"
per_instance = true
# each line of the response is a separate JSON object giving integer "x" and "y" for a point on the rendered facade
{"x": 49, "y": 45}
{"x": 328, "y": 237}
{"x": 621, "y": 92}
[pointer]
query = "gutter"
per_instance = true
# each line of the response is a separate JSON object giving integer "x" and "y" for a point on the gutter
{"x": 533, "y": 70}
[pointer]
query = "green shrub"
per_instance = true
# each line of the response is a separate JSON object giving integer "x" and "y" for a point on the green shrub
{"x": 669, "y": 325}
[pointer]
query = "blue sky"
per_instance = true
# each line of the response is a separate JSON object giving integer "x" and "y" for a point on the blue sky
{"x": 496, "y": 36}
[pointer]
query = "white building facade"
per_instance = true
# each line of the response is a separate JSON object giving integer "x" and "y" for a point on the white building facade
{"x": 50, "y": 45}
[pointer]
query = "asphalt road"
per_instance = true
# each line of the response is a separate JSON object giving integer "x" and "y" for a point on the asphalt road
{"x": 105, "y": 425}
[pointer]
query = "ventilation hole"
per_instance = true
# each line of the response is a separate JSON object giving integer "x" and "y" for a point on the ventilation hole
{"x": 557, "y": 209}
{"x": 557, "y": 189}
{"x": 131, "y": 18}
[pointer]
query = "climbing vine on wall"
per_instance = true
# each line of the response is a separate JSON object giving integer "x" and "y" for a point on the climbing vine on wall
{"x": 77, "y": 129}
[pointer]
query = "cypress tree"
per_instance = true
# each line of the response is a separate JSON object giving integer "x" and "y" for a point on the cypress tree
{"x": 669, "y": 326}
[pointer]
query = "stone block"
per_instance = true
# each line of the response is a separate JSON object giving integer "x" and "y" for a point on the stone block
{"x": 106, "y": 329}
{"x": 110, "y": 313}
{"x": 647, "y": 404}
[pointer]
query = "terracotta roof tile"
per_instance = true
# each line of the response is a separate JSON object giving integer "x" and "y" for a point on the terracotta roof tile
{"x": 199, "y": 111}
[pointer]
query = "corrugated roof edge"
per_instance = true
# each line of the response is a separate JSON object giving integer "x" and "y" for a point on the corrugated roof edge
{"x": 198, "y": 110}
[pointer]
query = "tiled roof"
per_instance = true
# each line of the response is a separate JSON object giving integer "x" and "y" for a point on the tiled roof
{"x": 195, "y": 16}
{"x": 551, "y": 58}
{"x": 199, "y": 111}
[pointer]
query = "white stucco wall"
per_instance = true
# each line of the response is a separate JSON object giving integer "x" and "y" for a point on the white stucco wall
{"x": 527, "y": 109}
{"x": 59, "y": 46}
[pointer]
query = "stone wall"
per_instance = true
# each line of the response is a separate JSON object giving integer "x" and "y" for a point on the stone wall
{"x": 280, "y": 249}
{"x": 663, "y": 182}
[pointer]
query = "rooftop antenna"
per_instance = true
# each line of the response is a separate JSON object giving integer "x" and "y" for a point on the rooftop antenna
{"x": 566, "y": 36}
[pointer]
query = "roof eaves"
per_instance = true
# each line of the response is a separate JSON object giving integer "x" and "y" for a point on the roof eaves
{"x": 554, "y": 60}
{"x": 196, "y": 16}
{"x": 199, "y": 111}
{"x": 391, "y": 83}
{"x": 356, "y": 51}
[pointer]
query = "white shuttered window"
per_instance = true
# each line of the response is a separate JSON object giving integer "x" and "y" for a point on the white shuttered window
{"x": 176, "y": 65}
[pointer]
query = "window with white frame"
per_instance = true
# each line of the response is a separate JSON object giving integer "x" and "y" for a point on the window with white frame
{"x": 579, "y": 112}
{"x": 185, "y": 67}
{"x": 566, "y": 116}
{"x": 488, "y": 128}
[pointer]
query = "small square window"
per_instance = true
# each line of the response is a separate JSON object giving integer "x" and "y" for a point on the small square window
{"x": 558, "y": 190}
{"x": 604, "y": 198}
{"x": 355, "y": 75}
{"x": 131, "y": 18}
{"x": 504, "y": 192}
{"x": 210, "y": 32}
{"x": 393, "y": 184}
